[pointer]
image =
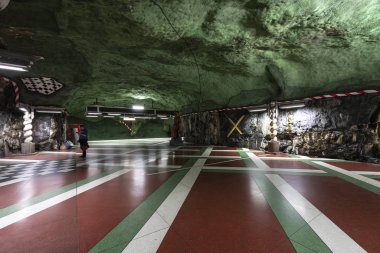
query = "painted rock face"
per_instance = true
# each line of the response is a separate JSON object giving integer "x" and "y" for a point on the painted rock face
{"x": 3, "y": 4}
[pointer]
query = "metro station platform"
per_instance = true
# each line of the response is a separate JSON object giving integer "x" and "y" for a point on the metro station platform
{"x": 146, "y": 196}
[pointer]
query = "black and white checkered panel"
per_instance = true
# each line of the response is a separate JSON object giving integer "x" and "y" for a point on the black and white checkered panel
{"x": 10, "y": 172}
{"x": 43, "y": 85}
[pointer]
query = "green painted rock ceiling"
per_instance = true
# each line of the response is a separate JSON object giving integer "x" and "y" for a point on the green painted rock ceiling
{"x": 196, "y": 54}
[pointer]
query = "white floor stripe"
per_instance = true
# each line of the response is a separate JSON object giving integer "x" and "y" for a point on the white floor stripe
{"x": 371, "y": 173}
{"x": 139, "y": 166}
{"x": 19, "y": 160}
{"x": 336, "y": 239}
{"x": 259, "y": 163}
{"x": 153, "y": 232}
{"x": 57, "y": 152}
{"x": 33, "y": 209}
{"x": 12, "y": 181}
{"x": 350, "y": 174}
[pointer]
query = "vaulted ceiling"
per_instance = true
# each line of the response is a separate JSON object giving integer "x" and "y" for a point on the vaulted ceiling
{"x": 195, "y": 54}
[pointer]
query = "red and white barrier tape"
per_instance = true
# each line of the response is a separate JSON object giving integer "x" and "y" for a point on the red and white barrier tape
{"x": 15, "y": 89}
{"x": 346, "y": 94}
{"x": 334, "y": 95}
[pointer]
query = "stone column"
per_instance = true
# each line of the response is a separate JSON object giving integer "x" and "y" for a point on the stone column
{"x": 274, "y": 144}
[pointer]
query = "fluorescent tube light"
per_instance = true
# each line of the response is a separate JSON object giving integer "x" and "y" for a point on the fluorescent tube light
{"x": 23, "y": 109}
{"x": 48, "y": 111}
{"x": 137, "y": 107}
{"x": 257, "y": 110}
{"x": 13, "y": 67}
{"x": 292, "y": 106}
{"x": 128, "y": 119}
{"x": 94, "y": 113}
{"x": 114, "y": 114}
{"x": 108, "y": 116}
{"x": 91, "y": 116}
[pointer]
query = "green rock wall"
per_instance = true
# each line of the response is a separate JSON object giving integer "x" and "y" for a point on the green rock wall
{"x": 195, "y": 55}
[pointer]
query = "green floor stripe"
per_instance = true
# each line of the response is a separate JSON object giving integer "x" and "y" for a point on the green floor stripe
{"x": 17, "y": 207}
{"x": 125, "y": 231}
{"x": 290, "y": 220}
{"x": 352, "y": 180}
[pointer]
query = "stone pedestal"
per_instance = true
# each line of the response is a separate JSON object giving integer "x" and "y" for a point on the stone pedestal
{"x": 28, "y": 148}
{"x": 274, "y": 146}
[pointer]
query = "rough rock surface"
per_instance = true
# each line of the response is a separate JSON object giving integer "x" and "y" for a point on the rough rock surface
{"x": 347, "y": 128}
{"x": 47, "y": 132}
{"x": 195, "y": 54}
{"x": 11, "y": 132}
{"x": 203, "y": 128}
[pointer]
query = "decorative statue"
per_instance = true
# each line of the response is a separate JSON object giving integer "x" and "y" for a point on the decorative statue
{"x": 3, "y": 4}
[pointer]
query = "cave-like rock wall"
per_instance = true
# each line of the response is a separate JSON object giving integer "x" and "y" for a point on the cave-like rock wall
{"x": 11, "y": 132}
{"x": 345, "y": 128}
{"x": 48, "y": 131}
{"x": 203, "y": 128}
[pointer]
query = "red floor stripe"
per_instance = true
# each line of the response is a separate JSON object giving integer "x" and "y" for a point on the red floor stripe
{"x": 288, "y": 164}
{"x": 225, "y": 163}
{"x": 93, "y": 214}
{"x": 216, "y": 153}
{"x": 222, "y": 214}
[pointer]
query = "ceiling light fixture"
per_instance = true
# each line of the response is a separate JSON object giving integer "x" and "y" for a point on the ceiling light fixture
{"x": 137, "y": 107}
{"x": 129, "y": 119}
{"x": 13, "y": 67}
{"x": 260, "y": 108}
{"x": 48, "y": 111}
{"x": 291, "y": 106}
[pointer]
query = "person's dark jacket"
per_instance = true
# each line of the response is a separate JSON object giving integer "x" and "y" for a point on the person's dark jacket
{"x": 83, "y": 137}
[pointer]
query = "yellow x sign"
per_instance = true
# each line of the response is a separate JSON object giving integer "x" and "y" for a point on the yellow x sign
{"x": 235, "y": 126}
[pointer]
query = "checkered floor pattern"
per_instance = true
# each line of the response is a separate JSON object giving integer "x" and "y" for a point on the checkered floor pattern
{"x": 10, "y": 172}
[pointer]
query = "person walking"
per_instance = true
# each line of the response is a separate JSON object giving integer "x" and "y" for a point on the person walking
{"x": 83, "y": 141}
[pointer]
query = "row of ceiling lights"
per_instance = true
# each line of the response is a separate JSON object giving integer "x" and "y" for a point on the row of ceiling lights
{"x": 126, "y": 117}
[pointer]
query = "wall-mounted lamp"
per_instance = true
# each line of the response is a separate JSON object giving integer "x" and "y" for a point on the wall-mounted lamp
{"x": 23, "y": 109}
{"x": 259, "y": 108}
{"x": 137, "y": 107}
{"x": 291, "y": 105}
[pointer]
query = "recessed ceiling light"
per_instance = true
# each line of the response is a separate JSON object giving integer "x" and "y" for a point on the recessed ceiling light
{"x": 138, "y": 107}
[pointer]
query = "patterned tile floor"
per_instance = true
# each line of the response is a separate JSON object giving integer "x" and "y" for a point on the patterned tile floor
{"x": 146, "y": 196}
